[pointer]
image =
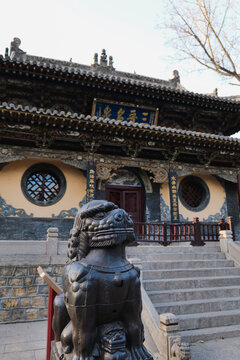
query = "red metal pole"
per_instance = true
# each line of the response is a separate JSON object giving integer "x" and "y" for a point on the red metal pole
{"x": 50, "y": 333}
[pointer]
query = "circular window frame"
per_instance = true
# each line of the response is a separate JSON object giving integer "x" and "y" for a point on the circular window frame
{"x": 52, "y": 169}
{"x": 197, "y": 180}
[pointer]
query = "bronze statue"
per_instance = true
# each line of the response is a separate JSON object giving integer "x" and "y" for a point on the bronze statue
{"x": 99, "y": 313}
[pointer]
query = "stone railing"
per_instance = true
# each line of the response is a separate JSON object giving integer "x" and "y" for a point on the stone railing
{"x": 21, "y": 252}
{"x": 229, "y": 247}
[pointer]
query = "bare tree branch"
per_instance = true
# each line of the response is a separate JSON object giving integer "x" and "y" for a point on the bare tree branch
{"x": 208, "y": 33}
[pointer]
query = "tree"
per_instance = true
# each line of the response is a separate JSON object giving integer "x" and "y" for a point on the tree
{"x": 208, "y": 32}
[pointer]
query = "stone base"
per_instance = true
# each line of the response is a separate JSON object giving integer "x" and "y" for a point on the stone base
{"x": 57, "y": 353}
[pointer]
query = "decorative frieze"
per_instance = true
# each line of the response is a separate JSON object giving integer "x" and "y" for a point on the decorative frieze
{"x": 70, "y": 213}
{"x": 9, "y": 210}
{"x": 158, "y": 169}
{"x": 222, "y": 214}
{"x": 159, "y": 175}
{"x": 106, "y": 171}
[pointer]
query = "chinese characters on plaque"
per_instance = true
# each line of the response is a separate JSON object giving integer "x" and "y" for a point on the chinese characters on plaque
{"x": 173, "y": 196}
{"x": 125, "y": 112}
{"x": 91, "y": 182}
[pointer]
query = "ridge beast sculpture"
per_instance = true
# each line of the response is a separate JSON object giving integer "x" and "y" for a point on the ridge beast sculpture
{"x": 99, "y": 313}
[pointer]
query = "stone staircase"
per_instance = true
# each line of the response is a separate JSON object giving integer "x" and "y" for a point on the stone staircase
{"x": 198, "y": 284}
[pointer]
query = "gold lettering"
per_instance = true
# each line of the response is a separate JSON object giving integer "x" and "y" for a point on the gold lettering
{"x": 145, "y": 114}
{"x": 132, "y": 115}
{"x": 120, "y": 114}
{"x": 107, "y": 112}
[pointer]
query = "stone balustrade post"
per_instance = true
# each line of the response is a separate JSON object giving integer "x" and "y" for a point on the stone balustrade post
{"x": 225, "y": 236}
{"x": 52, "y": 241}
{"x": 169, "y": 327}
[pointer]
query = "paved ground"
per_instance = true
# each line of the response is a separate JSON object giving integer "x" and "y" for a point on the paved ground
{"x": 23, "y": 341}
{"x": 226, "y": 349}
{"x": 27, "y": 341}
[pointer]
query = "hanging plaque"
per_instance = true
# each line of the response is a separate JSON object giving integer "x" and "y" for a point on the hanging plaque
{"x": 124, "y": 112}
{"x": 91, "y": 182}
{"x": 173, "y": 196}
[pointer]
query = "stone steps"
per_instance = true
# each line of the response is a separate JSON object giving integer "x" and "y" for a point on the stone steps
{"x": 194, "y": 294}
{"x": 181, "y": 248}
{"x": 197, "y": 284}
{"x": 206, "y": 334}
{"x": 209, "y": 319}
{"x": 186, "y": 273}
{"x": 159, "y": 257}
{"x": 187, "y": 264}
{"x": 198, "y": 306}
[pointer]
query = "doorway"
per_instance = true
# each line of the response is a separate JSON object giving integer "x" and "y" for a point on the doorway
{"x": 129, "y": 198}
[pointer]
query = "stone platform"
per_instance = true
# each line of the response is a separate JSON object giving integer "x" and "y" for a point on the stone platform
{"x": 28, "y": 341}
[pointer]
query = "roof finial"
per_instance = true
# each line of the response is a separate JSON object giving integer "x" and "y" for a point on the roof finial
{"x": 95, "y": 59}
{"x": 110, "y": 61}
{"x": 103, "y": 58}
{"x": 176, "y": 78}
{"x": 104, "y": 64}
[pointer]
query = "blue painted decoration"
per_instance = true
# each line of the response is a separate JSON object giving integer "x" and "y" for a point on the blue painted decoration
{"x": 182, "y": 218}
{"x": 165, "y": 210}
{"x": 9, "y": 210}
{"x": 124, "y": 112}
{"x": 223, "y": 213}
{"x": 70, "y": 212}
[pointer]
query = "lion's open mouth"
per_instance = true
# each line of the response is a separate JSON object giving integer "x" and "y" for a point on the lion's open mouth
{"x": 112, "y": 233}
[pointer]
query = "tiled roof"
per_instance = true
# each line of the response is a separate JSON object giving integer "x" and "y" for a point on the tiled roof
{"x": 81, "y": 74}
{"x": 99, "y": 72}
{"x": 74, "y": 117}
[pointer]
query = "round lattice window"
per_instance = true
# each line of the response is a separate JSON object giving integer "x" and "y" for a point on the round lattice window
{"x": 194, "y": 193}
{"x": 43, "y": 184}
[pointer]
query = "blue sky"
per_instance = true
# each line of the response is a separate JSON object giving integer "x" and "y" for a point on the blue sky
{"x": 126, "y": 29}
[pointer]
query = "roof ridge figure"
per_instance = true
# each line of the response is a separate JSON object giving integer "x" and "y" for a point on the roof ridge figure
{"x": 15, "y": 51}
{"x": 103, "y": 67}
{"x": 105, "y": 63}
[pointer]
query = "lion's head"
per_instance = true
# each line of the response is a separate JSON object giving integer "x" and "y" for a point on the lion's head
{"x": 99, "y": 223}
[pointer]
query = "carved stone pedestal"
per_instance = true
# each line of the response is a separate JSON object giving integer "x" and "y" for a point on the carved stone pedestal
{"x": 56, "y": 353}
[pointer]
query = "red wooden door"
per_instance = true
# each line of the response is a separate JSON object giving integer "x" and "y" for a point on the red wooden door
{"x": 128, "y": 198}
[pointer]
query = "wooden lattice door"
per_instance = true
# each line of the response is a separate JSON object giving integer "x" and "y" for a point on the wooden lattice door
{"x": 128, "y": 198}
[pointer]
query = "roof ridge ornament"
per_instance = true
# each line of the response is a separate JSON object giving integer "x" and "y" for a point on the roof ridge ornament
{"x": 175, "y": 81}
{"x": 105, "y": 62}
{"x": 15, "y": 51}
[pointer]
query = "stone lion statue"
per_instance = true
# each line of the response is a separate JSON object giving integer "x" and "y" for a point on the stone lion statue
{"x": 180, "y": 350}
{"x": 99, "y": 313}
